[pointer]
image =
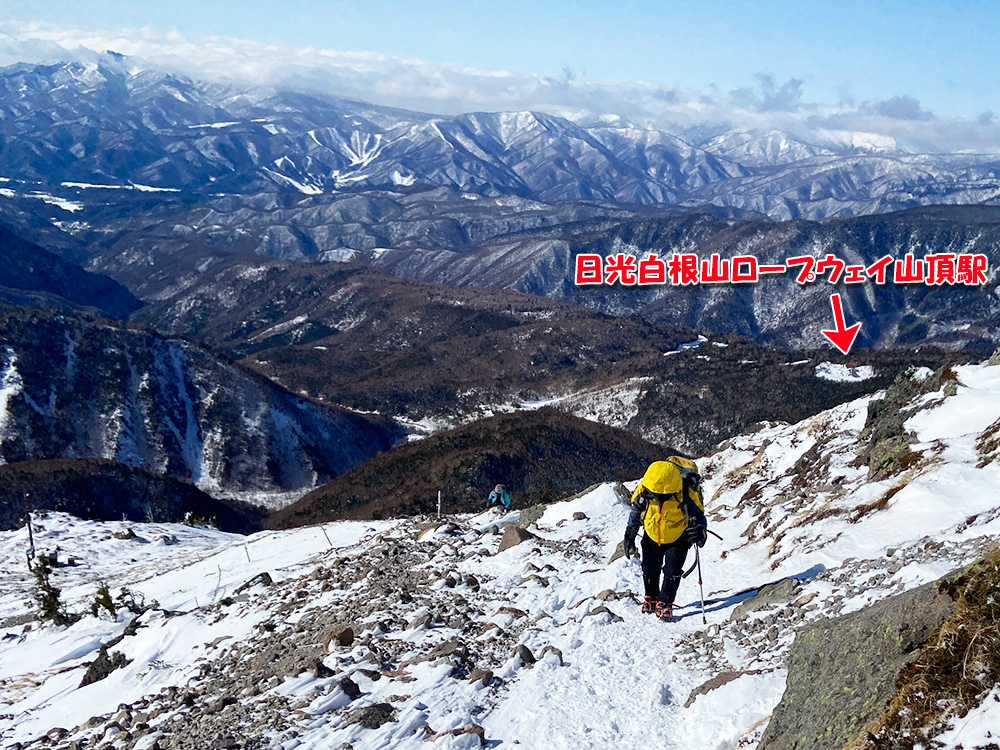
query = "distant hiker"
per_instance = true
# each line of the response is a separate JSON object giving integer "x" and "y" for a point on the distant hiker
{"x": 499, "y": 496}
{"x": 668, "y": 505}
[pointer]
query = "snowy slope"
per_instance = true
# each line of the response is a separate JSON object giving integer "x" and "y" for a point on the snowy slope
{"x": 431, "y": 601}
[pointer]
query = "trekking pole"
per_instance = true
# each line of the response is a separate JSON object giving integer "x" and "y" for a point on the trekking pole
{"x": 701, "y": 590}
{"x": 697, "y": 562}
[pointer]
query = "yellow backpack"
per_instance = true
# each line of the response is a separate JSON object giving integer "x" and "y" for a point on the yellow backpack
{"x": 665, "y": 482}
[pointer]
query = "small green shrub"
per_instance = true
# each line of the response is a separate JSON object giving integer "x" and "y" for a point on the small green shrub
{"x": 46, "y": 596}
{"x": 193, "y": 519}
{"x": 103, "y": 602}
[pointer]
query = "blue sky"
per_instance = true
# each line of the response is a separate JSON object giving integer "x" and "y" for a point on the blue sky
{"x": 943, "y": 54}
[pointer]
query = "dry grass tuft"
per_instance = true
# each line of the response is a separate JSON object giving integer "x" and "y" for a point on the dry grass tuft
{"x": 988, "y": 444}
{"x": 953, "y": 672}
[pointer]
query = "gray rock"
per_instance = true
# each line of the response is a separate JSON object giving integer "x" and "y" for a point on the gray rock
{"x": 602, "y": 610}
{"x": 525, "y": 653}
{"x": 373, "y": 716}
{"x": 618, "y": 553}
{"x": 340, "y": 635}
{"x": 530, "y": 515}
{"x": 320, "y": 670}
{"x": 350, "y": 688}
{"x": 421, "y": 621}
{"x": 449, "y": 648}
{"x": 550, "y": 649}
{"x": 261, "y": 579}
{"x": 513, "y": 536}
{"x": 771, "y": 593}
{"x": 485, "y": 676}
{"x": 842, "y": 672}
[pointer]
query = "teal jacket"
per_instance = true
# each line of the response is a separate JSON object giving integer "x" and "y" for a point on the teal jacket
{"x": 499, "y": 497}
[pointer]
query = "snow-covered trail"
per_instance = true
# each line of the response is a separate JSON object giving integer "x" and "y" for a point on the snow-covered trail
{"x": 625, "y": 676}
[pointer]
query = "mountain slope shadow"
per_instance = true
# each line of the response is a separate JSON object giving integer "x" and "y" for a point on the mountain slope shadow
{"x": 103, "y": 490}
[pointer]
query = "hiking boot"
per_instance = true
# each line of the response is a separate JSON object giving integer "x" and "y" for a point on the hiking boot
{"x": 649, "y": 604}
{"x": 664, "y": 611}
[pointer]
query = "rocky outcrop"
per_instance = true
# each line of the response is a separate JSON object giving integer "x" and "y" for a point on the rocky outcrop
{"x": 843, "y": 672}
{"x": 886, "y": 450}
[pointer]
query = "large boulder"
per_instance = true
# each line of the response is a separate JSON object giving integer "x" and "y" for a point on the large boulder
{"x": 843, "y": 672}
{"x": 513, "y": 535}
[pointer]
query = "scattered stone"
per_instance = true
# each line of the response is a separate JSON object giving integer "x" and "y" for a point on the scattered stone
{"x": 771, "y": 593}
{"x": 804, "y": 599}
{"x": 485, "y": 676}
{"x": 550, "y": 649}
{"x": 467, "y": 729}
{"x": 525, "y": 653}
{"x": 320, "y": 670}
{"x": 512, "y": 611}
{"x": 472, "y": 582}
{"x": 340, "y": 635}
{"x": 530, "y": 515}
{"x": 604, "y": 610}
{"x": 540, "y": 580}
{"x": 448, "y": 648}
{"x": 513, "y": 536}
{"x": 124, "y": 534}
{"x": 261, "y": 579}
{"x": 374, "y": 716}
{"x": 579, "y": 516}
{"x": 715, "y": 682}
{"x": 618, "y": 553}
{"x": 424, "y": 620}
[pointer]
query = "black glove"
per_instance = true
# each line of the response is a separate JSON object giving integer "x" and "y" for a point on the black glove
{"x": 696, "y": 533}
{"x": 630, "y": 550}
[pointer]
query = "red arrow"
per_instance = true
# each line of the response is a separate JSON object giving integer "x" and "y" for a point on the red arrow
{"x": 842, "y": 337}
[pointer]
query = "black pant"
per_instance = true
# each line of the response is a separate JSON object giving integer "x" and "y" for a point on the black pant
{"x": 666, "y": 557}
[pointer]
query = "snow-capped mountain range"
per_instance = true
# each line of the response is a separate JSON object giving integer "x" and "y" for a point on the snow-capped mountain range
{"x": 484, "y": 629}
{"x": 101, "y": 126}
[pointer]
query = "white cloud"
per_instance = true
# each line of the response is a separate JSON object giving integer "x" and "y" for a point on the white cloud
{"x": 451, "y": 89}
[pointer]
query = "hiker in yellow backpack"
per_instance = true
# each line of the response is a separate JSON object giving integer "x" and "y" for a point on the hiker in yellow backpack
{"x": 667, "y": 503}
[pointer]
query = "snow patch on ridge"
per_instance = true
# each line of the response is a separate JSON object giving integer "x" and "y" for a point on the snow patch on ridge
{"x": 843, "y": 373}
